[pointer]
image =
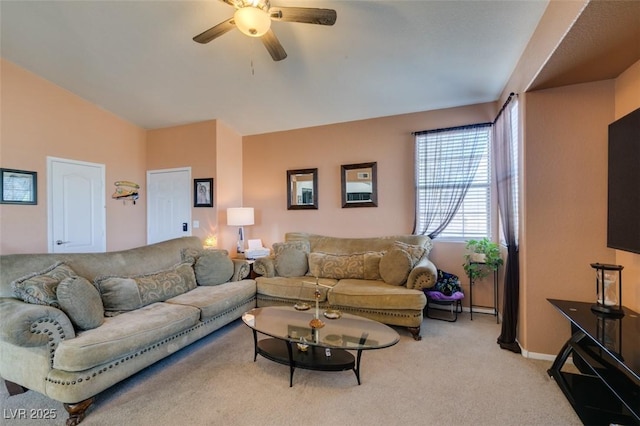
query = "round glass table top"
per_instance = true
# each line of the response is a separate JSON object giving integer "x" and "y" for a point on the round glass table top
{"x": 347, "y": 332}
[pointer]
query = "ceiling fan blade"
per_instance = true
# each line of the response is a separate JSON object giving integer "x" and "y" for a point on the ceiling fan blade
{"x": 229, "y": 2}
{"x": 273, "y": 45}
{"x": 305, "y": 15}
{"x": 214, "y": 32}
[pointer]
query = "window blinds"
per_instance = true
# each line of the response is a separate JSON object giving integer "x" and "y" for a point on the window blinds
{"x": 453, "y": 182}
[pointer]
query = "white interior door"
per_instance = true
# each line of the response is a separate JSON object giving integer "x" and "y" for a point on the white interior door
{"x": 76, "y": 204}
{"x": 168, "y": 204}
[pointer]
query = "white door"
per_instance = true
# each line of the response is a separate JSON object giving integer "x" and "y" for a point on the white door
{"x": 76, "y": 204}
{"x": 168, "y": 204}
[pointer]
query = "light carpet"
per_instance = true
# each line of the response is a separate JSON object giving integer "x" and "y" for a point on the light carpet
{"x": 457, "y": 375}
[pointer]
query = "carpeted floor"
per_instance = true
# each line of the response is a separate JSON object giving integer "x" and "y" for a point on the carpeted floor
{"x": 457, "y": 375}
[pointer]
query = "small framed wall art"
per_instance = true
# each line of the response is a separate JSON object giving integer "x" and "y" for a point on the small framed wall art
{"x": 18, "y": 187}
{"x": 203, "y": 192}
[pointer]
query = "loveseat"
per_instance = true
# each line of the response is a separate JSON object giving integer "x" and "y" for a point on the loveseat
{"x": 380, "y": 278}
{"x": 72, "y": 325}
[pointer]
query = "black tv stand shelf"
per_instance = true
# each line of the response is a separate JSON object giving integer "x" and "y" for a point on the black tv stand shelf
{"x": 606, "y": 352}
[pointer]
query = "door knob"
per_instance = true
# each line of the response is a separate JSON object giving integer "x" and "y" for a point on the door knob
{"x": 60, "y": 242}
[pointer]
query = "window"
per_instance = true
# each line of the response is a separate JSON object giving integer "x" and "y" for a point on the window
{"x": 453, "y": 182}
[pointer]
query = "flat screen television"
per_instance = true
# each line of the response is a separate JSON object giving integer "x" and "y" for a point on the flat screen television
{"x": 623, "y": 221}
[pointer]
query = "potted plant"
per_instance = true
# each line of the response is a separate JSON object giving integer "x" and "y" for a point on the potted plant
{"x": 483, "y": 257}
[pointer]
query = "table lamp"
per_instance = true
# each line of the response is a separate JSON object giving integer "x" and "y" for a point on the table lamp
{"x": 240, "y": 216}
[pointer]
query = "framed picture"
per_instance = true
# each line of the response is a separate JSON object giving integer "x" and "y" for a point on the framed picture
{"x": 203, "y": 192}
{"x": 18, "y": 187}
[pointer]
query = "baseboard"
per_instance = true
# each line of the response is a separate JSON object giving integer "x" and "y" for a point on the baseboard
{"x": 537, "y": 355}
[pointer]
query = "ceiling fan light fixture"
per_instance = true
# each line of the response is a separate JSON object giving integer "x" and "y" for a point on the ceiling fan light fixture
{"x": 252, "y": 21}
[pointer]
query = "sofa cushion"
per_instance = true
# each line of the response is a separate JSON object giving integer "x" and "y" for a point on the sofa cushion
{"x": 336, "y": 266}
{"x": 123, "y": 335}
{"x": 293, "y": 288}
{"x": 215, "y": 300}
{"x": 395, "y": 266}
{"x": 81, "y": 301}
{"x": 291, "y": 258}
{"x": 373, "y": 294}
{"x": 213, "y": 267}
{"x": 40, "y": 287}
{"x": 121, "y": 294}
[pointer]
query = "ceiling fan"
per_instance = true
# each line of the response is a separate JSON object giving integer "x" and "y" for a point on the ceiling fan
{"x": 253, "y": 18}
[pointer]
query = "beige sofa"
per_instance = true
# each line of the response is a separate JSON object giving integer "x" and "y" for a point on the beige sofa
{"x": 71, "y": 330}
{"x": 378, "y": 278}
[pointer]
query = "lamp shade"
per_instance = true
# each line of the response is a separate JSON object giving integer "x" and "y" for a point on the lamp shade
{"x": 252, "y": 21}
{"x": 239, "y": 216}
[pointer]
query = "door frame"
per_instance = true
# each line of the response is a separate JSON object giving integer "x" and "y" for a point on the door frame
{"x": 102, "y": 167}
{"x": 171, "y": 170}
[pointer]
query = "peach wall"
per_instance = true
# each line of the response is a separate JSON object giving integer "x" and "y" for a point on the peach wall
{"x": 230, "y": 184}
{"x": 40, "y": 119}
{"x": 387, "y": 140}
{"x": 566, "y": 204}
{"x": 627, "y": 90}
{"x": 192, "y": 145}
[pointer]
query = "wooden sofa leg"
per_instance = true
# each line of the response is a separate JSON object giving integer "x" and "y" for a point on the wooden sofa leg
{"x": 415, "y": 332}
{"x": 14, "y": 388}
{"x": 77, "y": 411}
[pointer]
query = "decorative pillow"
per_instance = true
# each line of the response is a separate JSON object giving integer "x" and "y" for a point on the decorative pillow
{"x": 81, "y": 301}
{"x": 213, "y": 267}
{"x": 415, "y": 252}
{"x": 40, "y": 287}
{"x": 337, "y": 266}
{"x": 291, "y": 258}
{"x": 372, "y": 265}
{"x": 121, "y": 294}
{"x": 191, "y": 255}
{"x": 395, "y": 266}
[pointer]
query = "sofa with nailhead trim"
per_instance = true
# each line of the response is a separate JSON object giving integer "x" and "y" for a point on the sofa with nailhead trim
{"x": 380, "y": 278}
{"x": 72, "y": 325}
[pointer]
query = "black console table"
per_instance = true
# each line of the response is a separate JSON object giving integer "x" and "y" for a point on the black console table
{"x": 606, "y": 351}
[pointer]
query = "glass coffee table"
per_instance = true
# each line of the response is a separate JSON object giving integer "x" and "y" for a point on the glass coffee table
{"x": 294, "y": 343}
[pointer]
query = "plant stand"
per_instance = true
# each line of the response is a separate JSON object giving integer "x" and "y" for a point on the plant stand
{"x": 495, "y": 294}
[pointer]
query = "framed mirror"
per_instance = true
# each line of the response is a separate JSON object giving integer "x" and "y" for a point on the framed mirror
{"x": 302, "y": 189}
{"x": 359, "y": 185}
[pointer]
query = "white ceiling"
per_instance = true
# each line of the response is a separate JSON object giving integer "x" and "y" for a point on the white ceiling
{"x": 137, "y": 59}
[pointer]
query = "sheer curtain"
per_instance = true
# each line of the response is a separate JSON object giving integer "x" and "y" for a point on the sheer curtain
{"x": 505, "y": 160}
{"x": 446, "y": 162}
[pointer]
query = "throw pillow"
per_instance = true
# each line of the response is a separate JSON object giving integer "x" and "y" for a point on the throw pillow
{"x": 372, "y": 265}
{"x": 40, "y": 287}
{"x": 191, "y": 255}
{"x": 395, "y": 266}
{"x": 415, "y": 252}
{"x": 81, "y": 301}
{"x": 337, "y": 266}
{"x": 291, "y": 258}
{"x": 213, "y": 267}
{"x": 121, "y": 294}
